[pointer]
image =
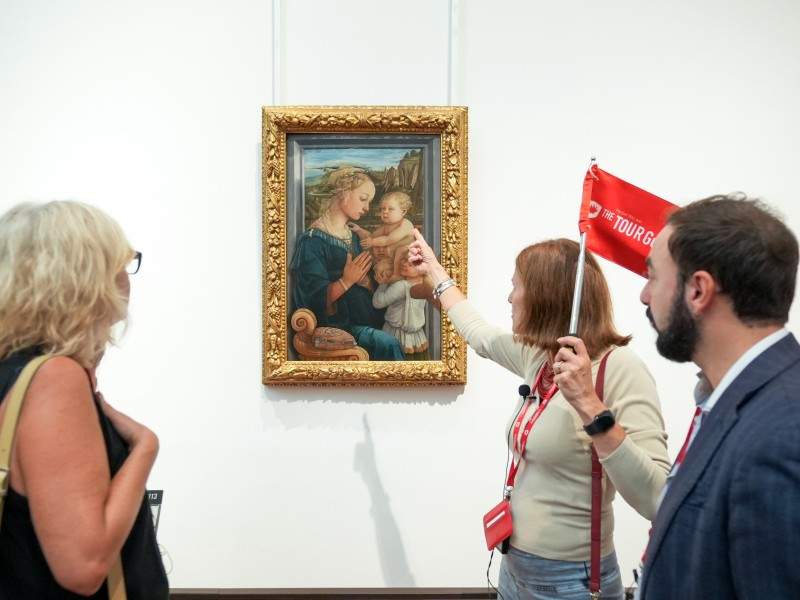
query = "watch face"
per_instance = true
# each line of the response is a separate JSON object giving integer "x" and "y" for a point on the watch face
{"x": 605, "y": 420}
{"x": 602, "y": 422}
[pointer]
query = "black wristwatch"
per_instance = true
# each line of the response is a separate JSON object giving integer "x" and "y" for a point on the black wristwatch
{"x": 601, "y": 423}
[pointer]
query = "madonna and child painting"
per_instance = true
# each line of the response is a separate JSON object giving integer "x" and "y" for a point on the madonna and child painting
{"x": 348, "y": 262}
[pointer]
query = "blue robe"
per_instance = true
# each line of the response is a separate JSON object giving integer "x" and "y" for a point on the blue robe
{"x": 318, "y": 261}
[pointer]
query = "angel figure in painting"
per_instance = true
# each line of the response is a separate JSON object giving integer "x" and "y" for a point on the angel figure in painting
{"x": 405, "y": 314}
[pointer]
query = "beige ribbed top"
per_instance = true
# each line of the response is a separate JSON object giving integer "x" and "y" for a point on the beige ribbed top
{"x": 551, "y": 502}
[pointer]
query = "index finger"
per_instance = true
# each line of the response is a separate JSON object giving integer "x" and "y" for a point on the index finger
{"x": 418, "y": 236}
{"x": 575, "y": 343}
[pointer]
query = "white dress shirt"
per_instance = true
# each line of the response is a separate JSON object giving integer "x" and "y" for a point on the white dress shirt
{"x": 706, "y": 398}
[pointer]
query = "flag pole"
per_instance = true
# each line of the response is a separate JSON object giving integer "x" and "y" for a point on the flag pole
{"x": 576, "y": 297}
{"x": 578, "y": 293}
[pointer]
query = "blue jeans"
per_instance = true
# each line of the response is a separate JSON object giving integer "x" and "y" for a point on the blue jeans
{"x": 526, "y": 576}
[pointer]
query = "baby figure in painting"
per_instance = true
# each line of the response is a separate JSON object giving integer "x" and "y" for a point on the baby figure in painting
{"x": 395, "y": 230}
{"x": 405, "y": 316}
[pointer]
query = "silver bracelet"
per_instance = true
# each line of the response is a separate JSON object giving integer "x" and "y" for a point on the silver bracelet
{"x": 444, "y": 285}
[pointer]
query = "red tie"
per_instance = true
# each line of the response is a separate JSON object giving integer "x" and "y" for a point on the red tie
{"x": 685, "y": 446}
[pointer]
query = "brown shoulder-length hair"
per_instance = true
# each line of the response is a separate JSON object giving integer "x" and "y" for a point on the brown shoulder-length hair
{"x": 547, "y": 272}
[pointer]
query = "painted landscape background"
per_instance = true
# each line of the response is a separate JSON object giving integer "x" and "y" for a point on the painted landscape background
{"x": 391, "y": 169}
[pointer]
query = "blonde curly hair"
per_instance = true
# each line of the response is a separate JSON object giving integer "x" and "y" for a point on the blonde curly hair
{"x": 344, "y": 179}
{"x": 403, "y": 200}
{"x": 58, "y": 290}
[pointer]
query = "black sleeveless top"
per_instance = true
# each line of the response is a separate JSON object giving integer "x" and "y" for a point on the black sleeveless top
{"x": 24, "y": 573}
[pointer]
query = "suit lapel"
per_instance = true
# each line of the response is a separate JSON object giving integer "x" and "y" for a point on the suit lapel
{"x": 713, "y": 429}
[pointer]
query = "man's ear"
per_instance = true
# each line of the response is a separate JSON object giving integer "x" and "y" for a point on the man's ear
{"x": 700, "y": 292}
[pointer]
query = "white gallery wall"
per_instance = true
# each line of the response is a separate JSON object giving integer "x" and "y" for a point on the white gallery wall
{"x": 151, "y": 110}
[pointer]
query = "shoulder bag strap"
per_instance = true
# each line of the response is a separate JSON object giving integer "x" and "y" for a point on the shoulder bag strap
{"x": 9, "y": 427}
{"x": 116, "y": 582}
{"x": 597, "y": 495}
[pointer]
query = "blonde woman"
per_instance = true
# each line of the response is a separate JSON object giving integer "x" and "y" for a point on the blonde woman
{"x": 331, "y": 272}
{"x": 76, "y": 497}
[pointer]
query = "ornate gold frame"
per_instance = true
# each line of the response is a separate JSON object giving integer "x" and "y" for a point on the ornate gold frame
{"x": 450, "y": 123}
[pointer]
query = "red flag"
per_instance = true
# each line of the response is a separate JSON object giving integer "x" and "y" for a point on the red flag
{"x": 620, "y": 220}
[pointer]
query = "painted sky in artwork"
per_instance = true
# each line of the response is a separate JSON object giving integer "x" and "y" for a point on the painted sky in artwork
{"x": 315, "y": 159}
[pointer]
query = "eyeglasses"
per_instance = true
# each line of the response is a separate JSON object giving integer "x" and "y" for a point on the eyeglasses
{"x": 133, "y": 266}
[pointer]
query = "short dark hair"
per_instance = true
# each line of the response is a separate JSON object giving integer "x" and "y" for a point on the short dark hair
{"x": 745, "y": 247}
{"x": 547, "y": 271}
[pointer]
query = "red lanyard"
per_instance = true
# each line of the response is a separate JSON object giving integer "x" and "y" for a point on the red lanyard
{"x": 544, "y": 400}
{"x": 686, "y": 442}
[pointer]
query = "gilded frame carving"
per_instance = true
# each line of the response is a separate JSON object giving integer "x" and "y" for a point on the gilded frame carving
{"x": 450, "y": 124}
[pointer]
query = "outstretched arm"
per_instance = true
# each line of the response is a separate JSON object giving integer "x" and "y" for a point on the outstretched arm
{"x": 424, "y": 261}
{"x": 488, "y": 341}
{"x": 359, "y": 231}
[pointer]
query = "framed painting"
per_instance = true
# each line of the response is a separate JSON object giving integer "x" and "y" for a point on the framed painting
{"x": 343, "y": 189}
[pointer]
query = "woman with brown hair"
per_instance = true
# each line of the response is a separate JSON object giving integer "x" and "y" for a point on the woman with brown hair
{"x": 550, "y": 546}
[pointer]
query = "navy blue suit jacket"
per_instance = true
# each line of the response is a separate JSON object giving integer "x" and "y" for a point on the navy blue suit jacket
{"x": 729, "y": 525}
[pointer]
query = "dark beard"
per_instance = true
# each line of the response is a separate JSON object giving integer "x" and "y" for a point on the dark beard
{"x": 679, "y": 339}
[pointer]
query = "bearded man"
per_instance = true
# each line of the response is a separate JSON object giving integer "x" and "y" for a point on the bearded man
{"x": 721, "y": 280}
